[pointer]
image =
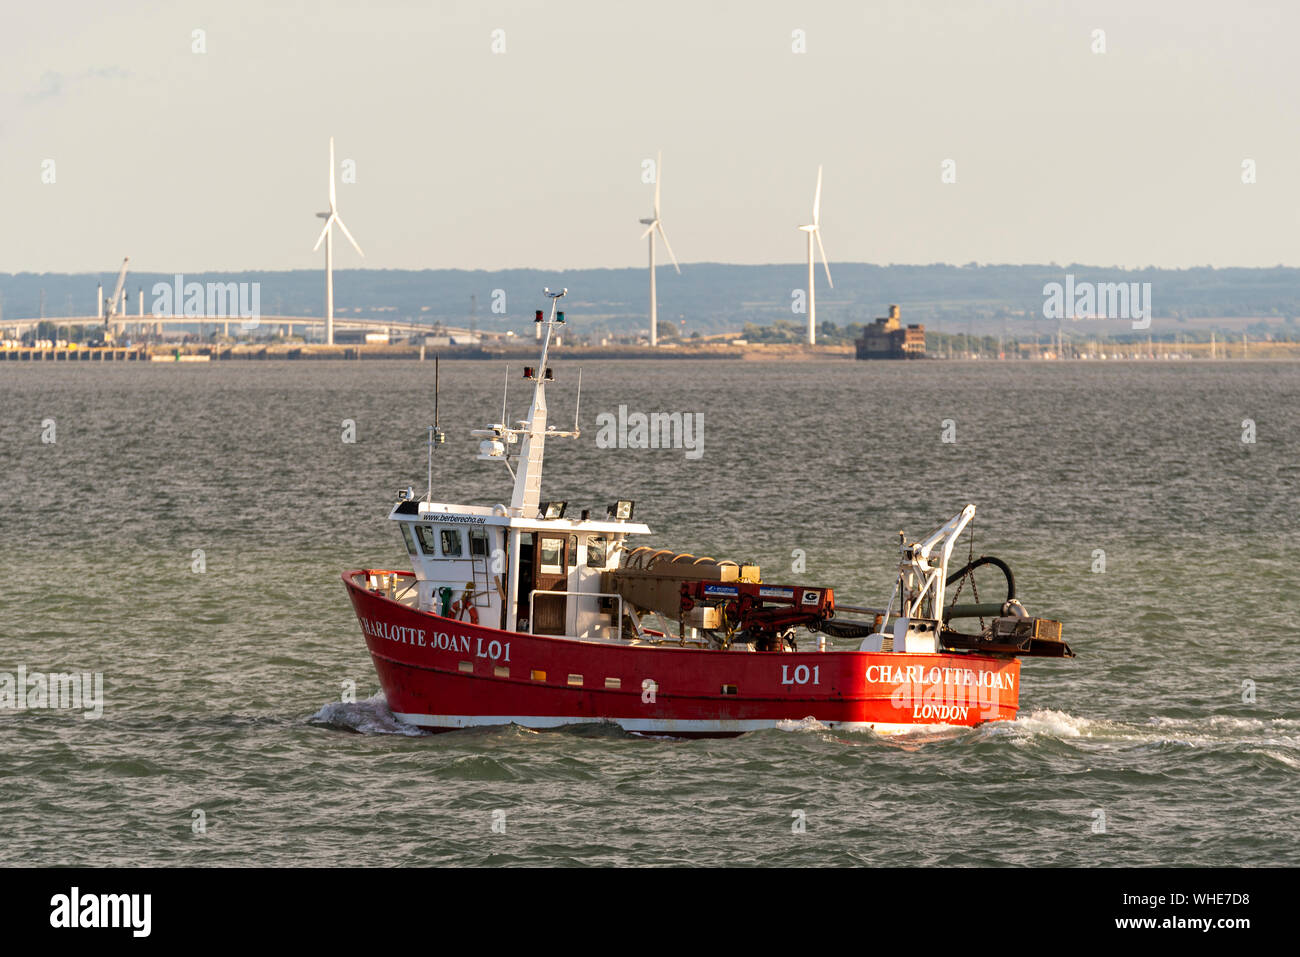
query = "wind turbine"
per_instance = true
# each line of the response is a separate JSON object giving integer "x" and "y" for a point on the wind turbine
{"x": 814, "y": 229}
{"x": 327, "y": 234}
{"x": 651, "y": 225}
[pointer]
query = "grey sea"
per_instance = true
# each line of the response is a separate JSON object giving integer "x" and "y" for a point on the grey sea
{"x": 181, "y": 530}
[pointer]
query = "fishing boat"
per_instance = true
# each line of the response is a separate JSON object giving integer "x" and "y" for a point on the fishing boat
{"x": 524, "y": 614}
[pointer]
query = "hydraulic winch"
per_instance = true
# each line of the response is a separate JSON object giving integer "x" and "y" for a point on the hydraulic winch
{"x": 753, "y": 613}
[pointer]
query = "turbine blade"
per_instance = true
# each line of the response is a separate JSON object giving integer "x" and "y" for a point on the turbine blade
{"x": 349, "y": 235}
{"x": 324, "y": 229}
{"x": 669, "y": 248}
{"x": 817, "y": 199}
{"x": 818, "y": 234}
{"x": 331, "y": 174}
{"x": 659, "y": 170}
{"x": 649, "y": 230}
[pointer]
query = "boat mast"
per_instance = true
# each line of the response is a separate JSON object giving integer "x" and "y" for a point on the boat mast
{"x": 528, "y": 478}
{"x": 499, "y": 437}
{"x": 526, "y": 498}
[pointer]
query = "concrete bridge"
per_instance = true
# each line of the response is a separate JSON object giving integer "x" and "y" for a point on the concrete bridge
{"x": 155, "y": 325}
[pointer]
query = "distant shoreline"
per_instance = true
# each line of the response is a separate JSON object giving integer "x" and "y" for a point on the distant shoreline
{"x": 752, "y": 352}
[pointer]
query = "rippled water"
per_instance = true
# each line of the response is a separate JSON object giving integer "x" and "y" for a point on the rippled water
{"x": 222, "y": 687}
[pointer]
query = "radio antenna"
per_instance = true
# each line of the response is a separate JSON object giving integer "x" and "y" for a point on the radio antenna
{"x": 504, "y": 392}
{"x": 436, "y": 435}
{"x": 428, "y": 496}
{"x": 576, "y": 404}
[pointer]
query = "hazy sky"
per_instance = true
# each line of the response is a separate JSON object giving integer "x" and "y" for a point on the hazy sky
{"x": 466, "y": 158}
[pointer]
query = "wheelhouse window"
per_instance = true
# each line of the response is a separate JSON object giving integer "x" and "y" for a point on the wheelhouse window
{"x": 573, "y": 551}
{"x": 410, "y": 539}
{"x": 451, "y": 543}
{"x": 597, "y": 548}
{"x": 551, "y": 559}
{"x": 478, "y": 543}
{"x": 428, "y": 543}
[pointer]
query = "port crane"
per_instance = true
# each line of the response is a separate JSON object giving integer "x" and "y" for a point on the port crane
{"x": 111, "y": 308}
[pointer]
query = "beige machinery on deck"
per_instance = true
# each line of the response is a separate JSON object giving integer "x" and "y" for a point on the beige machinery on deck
{"x": 650, "y": 579}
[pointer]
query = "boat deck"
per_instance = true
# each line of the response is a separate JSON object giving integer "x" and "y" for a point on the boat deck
{"x": 402, "y": 587}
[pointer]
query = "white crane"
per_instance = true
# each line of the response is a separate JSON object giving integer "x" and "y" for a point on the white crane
{"x": 327, "y": 235}
{"x": 813, "y": 229}
{"x": 652, "y": 224}
{"x": 110, "y": 308}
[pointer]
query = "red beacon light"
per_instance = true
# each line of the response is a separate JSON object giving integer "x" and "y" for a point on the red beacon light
{"x": 528, "y": 372}
{"x": 538, "y": 316}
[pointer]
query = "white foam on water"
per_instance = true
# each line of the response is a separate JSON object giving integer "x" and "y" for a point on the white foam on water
{"x": 1227, "y": 723}
{"x": 1290, "y": 761}
{"x": 1055, "y": 724}
{"x": 912, "y": 739}
{"x": 369, "y": 716}
{"x": 1210, "y": 731}
{"x": 808, "y": 723}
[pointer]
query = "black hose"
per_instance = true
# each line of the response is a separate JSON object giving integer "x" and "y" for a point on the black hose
{"x": 987, "y": 560}
{"x": 846, "y": 629}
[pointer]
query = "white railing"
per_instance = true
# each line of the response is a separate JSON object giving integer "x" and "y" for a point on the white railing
{"x": 387, "y": 584}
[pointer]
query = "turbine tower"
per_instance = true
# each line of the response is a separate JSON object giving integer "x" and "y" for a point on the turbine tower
{"x": 651, "y": 225}
{"x": 813, "y": 229}
{"x": 327, "y": 234}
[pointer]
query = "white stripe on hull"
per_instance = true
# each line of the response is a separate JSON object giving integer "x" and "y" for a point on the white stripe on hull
{"x": 654, "y": 725}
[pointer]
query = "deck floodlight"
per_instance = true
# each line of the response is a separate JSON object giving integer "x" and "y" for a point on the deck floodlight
{"x": 553, "y": 510}
{"x": 621, "y": 510}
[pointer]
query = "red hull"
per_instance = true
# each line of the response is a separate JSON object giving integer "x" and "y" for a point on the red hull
{"x": 442, "y": 674}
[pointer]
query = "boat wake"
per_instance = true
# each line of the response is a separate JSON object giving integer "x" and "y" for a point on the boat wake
{"x": 1210, "y": 731}
{"x": 370, "y": 716}
{"x": 1277, "y": 739}
{"x": 802, "y": 725}
{"x": 909, "y": 740}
